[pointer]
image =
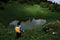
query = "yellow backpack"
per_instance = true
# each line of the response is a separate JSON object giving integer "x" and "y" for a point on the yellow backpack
{"x": 17, "y": 29}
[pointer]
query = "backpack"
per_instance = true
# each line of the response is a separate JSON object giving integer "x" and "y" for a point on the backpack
{"x": 17, "y": 29}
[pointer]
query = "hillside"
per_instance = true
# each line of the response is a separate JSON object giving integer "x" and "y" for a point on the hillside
{"x": 34, "y": 34}
{"x": 15, "y": 11}
{"x": 23, "y": 12}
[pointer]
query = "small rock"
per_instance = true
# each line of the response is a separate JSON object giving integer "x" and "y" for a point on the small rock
{"x": 54, "y": 33}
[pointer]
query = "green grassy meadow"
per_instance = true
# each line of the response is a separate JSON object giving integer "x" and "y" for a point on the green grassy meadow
{"x": 14, "y": 11}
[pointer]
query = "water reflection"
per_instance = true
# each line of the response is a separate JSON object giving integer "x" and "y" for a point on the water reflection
{"x": 32, "y": 24}
{"x": 29, "y": 24}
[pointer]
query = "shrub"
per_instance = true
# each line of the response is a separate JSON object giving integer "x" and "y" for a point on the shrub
{"x": 58, "y": 8}
{"x": 51, "y": 7}
{"x": 54, "y": 7}
{"x": 44, "y": 4}
{"x": 53, "y": 26}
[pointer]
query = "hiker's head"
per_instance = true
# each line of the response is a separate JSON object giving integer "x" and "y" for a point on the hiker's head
{"x": 19, "y": 23}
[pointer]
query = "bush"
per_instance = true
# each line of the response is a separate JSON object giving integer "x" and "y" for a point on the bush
{"x": 44, "y": 4}
{"x": 53, "y": 26}
{"x": 54, "y": 7}
{"x": 51, "y": 7}
{"x": 58, "y": 8}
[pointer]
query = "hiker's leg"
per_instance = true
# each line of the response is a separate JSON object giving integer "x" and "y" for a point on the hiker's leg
{"x": 17, "y": 35}
{"x": 20, "y": 34}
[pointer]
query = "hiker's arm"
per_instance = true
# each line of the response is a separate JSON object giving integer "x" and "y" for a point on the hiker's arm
{"x": 21, "y": 28}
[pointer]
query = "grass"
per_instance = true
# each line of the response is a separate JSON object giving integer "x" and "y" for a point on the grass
{"x": 34, "y": 34}
{"x": 18, "y": 11}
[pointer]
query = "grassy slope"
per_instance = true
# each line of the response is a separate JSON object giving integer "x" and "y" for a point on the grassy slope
{"x": 35, "y": 34}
